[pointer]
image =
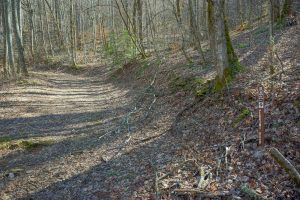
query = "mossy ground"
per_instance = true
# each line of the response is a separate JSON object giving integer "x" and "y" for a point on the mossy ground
{"x": 198, "y": 86}
{"x": 9, "y": 143}
{"x": 244, "y": 113}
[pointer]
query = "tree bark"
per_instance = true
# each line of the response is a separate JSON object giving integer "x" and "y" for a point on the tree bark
{"x": 5, "y": 64}
{"x": 195, "y": 34}
{"x": 271, "y": 38}
{"x": 48, "y": 30}
{"x": 8, "y": 25}
{"x": 134, "y": 9}
{"x": 72, "y": 35}
{"x": 31, "y": 32}
{"x": 16, "y": 24}
{"x": 221, "y": 53}
{"x": 140, "y": 24}
{"x": 211, "y": 27}
{"x": 40, "y": 6}
{"x": 287, "y": 8}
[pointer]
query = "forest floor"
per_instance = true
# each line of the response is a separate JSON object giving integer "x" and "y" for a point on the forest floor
{"x": 140, "y": 131}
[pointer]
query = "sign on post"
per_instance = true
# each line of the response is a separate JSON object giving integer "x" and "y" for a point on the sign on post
{"x": 261, "y": 116}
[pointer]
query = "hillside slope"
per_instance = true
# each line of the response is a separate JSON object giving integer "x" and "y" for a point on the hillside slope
{"x": 98, "y": 134}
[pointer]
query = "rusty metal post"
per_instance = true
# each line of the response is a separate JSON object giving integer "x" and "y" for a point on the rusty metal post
{"x": 261, "y": 116}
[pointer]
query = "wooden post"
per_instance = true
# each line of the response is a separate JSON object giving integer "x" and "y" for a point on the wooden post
{"x": 261, "y": 116}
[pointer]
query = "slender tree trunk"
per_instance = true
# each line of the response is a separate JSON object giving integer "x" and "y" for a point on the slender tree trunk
{"x": 132, "y": 36}
{"x": 72, "y": 35}
{"x": 126, "y": 16}
{"x": 8, "y": 25}
{"x": 239, "y": 4}
{"x": 83, "y": 40}
{"x": 5, "y": 64}
{"x": 195, "y": 31}
{"x": 134, "y": 17}
{"x": 18, "y": 36}
{"x": 48, "y": 30}
{"x": 204, "y": 20}
{"x": 178, "y": 9}
{"x": 211, "y": 27}
{"x": 178, "y": 15}
{"x": 31, "y": 33}
{"x": 271, "y": 37}
{"x": 221, "y": 53}
{"x": 57, "y": 17}
{"x": 191, "y": 22}
{"x": 94, "y": 31}
{"x": 20, "y": 18}
{"x": 42, "y": 28}
{"x": 57, "y": 20}
{"x": 140, "y": 24}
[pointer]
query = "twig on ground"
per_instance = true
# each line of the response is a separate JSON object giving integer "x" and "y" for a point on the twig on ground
{"x": 200, "y": 192}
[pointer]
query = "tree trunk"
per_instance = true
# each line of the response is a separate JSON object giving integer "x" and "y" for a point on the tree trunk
{"x": 5, "y": 64}
{"x": 72, "y": 35}
{"x": 211, "y": 27}
{"x": 57, "y": 20}
{"x": 240, "y": 12}
{"x": 195, "y": 31}
{"x": 42, "y": 28}
{"x": 226, "y": 59}
{"x": 287, "y": 8}
{"x": 16, "y": 24}
{"x": 48, "y": 30}
{"x": 271, "y": 38}
{"x": 276, "y": 10}
{"x": 178, "y": 9}
{"x": 221, "y": 53}
{"x": 20, "y": 18}
{"x": 204, "y": 20}
{"x": 94, "y": 29}
{"x": 8, "y": 25}
{"x": 134, "y": 17}
{"x": 192, "y": 22}
{"x": 140, "y": 24}
{"x": 31, "y": 33}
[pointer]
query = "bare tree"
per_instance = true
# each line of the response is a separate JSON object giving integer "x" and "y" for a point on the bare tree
{"x": 72, "y": 34}
{"x": 16, "y": 23}
{"x": 8, "y": 34}
{"x": 226, "y": 59}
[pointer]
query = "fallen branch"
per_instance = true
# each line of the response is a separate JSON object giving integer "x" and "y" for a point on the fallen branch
{"x": 286, "y": 165}
{"x": 199, "y": 192}
{"x": 274, "y": 75}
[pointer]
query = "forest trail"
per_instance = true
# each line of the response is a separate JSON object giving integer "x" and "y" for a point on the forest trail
{"x": 79, "y": 122}
{"x": 103, "y": 139}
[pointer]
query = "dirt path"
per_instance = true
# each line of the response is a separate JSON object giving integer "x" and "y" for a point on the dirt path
{"x": 86, "y": 157}
{"x": 106, "y": 141}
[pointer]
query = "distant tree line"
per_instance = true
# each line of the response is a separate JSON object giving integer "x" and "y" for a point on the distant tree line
{"x": 38, "y": 30}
